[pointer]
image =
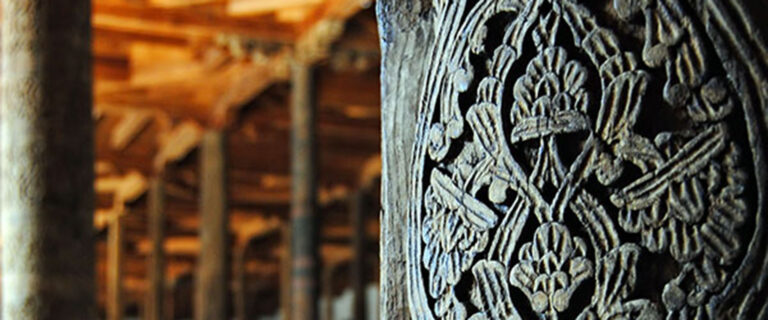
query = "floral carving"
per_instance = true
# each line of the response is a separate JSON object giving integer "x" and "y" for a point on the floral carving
{"x": 543, "y": 169}
{"x": 695, "y": 215}
{"x": 616, "y": 275}
{"x": 551, "y": 268}
{"x": 455, "y": 229}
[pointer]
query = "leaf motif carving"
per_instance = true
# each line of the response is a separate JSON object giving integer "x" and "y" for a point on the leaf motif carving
{"x": 691, "y": 158}
{"x": 491, "y": 291}
{"x": 621, "y": 105}
{"x": 471, "y": 211}
{"x": 615, "y": 277}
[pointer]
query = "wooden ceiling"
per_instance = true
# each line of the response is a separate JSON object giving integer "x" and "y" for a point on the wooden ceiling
{"x": 166, "y": 70}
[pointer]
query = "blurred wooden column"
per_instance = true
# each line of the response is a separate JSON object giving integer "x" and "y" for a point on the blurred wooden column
{"x": 211, "y": 294}
{"x": 327, "y": 290}
{"x": 240, "y": 281}
{"x": 46, "y": 161}
{"x": 115, "y": 243}
{"x": 357, "y": 218}
{"x": 155, "y": 303}
{"x": 285, "y": 274}
{"x": 304, "y": 239}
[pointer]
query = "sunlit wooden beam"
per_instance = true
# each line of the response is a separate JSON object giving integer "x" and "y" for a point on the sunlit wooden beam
{"x": 179, "y": 142}
{"x": 182, "y": 23}
{"x": 129, "y": 127}
{"x": 126, "y": 188}
{"x": 255, "y": 7}
{"x": 182, "y": 3}
{"x": 173, "y": 246}
{"x": 293, "y": 15}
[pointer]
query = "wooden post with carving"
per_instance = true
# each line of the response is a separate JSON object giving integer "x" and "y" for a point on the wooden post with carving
{"x": 211, "y": 287}
{"x": 115, "y": 257}
{"x": 357, "y": 219}
{"x": 155, "y": 303}
{"x": 551, "y": 159}
{"x": 304, "y": 243}
{"x": 46, "y": 161}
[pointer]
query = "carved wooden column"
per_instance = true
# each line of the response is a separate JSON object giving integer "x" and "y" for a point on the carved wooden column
{"x": 357, "y": 217}
{"x": 303, "y": 241}
{"x": 551, "y": 159}
{"x": 211, "y": 293}
{"x": 155, "y": 304}
{"x": 115, "y": 254}
{"x": 46, "y": 160}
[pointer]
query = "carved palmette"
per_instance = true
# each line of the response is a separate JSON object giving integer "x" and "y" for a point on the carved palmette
{"x": 590, "y": 160}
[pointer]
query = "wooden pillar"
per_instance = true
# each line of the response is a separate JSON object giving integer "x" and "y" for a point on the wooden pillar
{"x": 285, "y": 275}
{"x": 444, "y": 120}
{"x": 304, "y": 242}
{"x": 240, "y": 298}
{"x": 46, "y": 160}
{"x": 357, "y": 217}
{"x": 115, "y": 239}
{"x": 211, "y": 294}
{"x": 327, "y": 289}
{"x": 155, "y": 304}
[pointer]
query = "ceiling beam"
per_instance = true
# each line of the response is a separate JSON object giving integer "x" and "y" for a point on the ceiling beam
{"x": 260, "y": 7}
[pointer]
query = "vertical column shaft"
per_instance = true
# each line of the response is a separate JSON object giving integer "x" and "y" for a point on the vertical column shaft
{"x": 285, "y": 274}
{"x": 304, "y": 242}
{"x": 357, "y": 212}
{"x": 115, "y": 268}
{"x": 240, "y": 300}
{"x": 327, "y": 290}
{"x": 46, "y": 160}
{"x": 211, "y": 296}
{"x": 155, "y": 304}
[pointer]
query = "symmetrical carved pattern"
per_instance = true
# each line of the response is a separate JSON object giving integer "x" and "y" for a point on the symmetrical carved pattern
{"x": 565, "y": 143}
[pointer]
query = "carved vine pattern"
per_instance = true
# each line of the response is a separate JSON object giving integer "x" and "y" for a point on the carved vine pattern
{"x": 557, "y": 101}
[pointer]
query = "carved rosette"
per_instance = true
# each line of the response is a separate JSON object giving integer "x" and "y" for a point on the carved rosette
{"x": 590, "y": 160}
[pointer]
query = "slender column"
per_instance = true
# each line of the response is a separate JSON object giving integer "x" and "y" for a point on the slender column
{"x": 327, "y": 289}
{"x": 211, "y": 293}
{"x": 285, "y": 275}
{"x": 155, "y": 304}
{"x": 115, "y": 268}
{"x": 240, "y": 304}
{"x": 357, "y": 212}
{"x": 304, "y": 242}
{"x": 46, "y": 160}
